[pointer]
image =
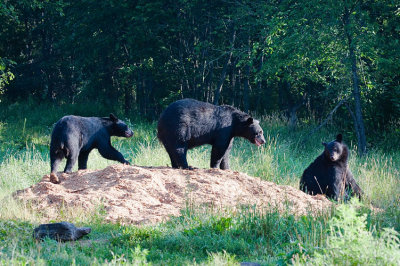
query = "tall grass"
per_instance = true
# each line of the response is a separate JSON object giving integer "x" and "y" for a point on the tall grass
{"x": 348, "y": 239}
{"x": 198, "y": 236}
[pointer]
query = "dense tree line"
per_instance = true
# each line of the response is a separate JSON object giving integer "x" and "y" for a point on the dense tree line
{"x": 302, "y": 58}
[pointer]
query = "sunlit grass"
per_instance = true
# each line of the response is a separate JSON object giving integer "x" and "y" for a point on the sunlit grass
{"x": 22, "y": 169}
{"x": 263, "y": 237}
{"x": 281, "y": 160}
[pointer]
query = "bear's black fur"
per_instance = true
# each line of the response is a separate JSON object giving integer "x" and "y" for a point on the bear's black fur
{"x": 188, "y": 123}
{"x": 329, "y": 173}
{"x": 74, "y": 137}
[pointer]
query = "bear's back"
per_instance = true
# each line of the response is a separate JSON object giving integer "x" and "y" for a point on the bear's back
{"x": 194, "y": 122}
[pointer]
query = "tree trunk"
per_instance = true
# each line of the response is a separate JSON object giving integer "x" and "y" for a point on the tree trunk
{"x": 128, "y": 99}
{"x": 151, "y": 114}
{"x": 139, "y": 92}
{"x": 238, "y": 88}
{"x": 362, "y": 143}
{"x": 259, "y": 86}
{"x": 233, "y": 85}
{"x": 223, "y": 74}
{"x": 358, "y": 119}
{"x": 246, "y": 87}
{"x": 46, "y": 53}
{"x": 207, "y": 94}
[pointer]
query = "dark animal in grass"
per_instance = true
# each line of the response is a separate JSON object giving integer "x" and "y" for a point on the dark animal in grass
{"x": 329, "y": 174}
{"x": 188, "y": 123}
{"x": 60, "y": 231}
{"x": 74, "y": 137}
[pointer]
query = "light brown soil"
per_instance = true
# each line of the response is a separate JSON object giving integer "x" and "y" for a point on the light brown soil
{"x": 141, "y": 195}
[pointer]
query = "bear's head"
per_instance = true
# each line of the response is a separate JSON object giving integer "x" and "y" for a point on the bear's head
{"x": 253, "y": 131}
{"x": 119, "y": 128}
{"x": 335, "y": 150}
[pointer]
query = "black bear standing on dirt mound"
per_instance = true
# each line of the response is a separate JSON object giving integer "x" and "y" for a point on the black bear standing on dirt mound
{"x": 329, "y": 173}
{"x": 188, "y": 123}
{"x": 74, "y": 137}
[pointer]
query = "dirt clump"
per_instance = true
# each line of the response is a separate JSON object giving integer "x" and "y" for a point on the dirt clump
{"x": 147, "y": 195}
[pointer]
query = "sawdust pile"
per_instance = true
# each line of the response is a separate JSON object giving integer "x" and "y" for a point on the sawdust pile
{"x": 143, "y": 195}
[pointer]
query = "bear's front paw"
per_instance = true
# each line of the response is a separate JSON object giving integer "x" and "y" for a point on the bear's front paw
{"x": 54, "y": 179}
{"x": 126, "y": 162}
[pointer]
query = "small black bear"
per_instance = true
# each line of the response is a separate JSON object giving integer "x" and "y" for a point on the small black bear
{"x": 189, "y": 123}
{"x": 74, "y": 137}
{"x": 329, "y": 173}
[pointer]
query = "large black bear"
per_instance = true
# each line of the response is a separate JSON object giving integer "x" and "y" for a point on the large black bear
{"x": 188, "y": 123}
{"x": 74, "y": 137}
{"x": 329, "y": 173}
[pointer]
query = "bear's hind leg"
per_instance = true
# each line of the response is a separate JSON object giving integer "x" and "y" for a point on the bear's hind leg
{"x": 224, "y": 163}
{"x": 71, "y": 160}
{"x": 225, "y": 159}
{"x": 82, "y": 160}
{"x": 179, "y": 156}
{"x": 55, "y": 159}
{"x": 218, "y": 152}
{"x": 170, "y": 150}
{"x": 171, "y": 157}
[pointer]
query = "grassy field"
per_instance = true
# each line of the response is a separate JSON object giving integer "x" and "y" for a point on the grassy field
{"x": 200, "y": 236}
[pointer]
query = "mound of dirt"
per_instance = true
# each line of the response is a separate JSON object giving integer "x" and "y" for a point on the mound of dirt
{"x": 142, "y": 195}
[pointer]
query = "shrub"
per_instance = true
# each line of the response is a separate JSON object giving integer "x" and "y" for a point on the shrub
{"x": 350, "y": 242}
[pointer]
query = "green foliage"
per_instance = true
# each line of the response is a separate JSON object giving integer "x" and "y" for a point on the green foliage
{"x": 5, "y": 74}
{"x": 201, "y": 235}
{"x": 221, "y": 258}
{"x": 136, "y": 256}
{"x": 350, "y": 242}
{"x": 140, "y": 56}
{"x": 168, "y": 243}
{"x": 133, "y": 58}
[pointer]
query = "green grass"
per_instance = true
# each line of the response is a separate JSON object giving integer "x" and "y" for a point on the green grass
{"x": 199, "y": 235}
{"x": 196, "y": 236}
{"x": 350, "y": 242}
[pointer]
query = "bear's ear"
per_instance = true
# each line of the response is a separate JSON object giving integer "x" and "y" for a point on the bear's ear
{"x": 324, "y": 143}
{"x": 249, "y": 121}
{"x": 113, "y": 118}
{"x": 339, "y": 138}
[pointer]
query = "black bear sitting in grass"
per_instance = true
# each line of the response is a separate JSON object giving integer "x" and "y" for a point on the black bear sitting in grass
{"x": 329, "y": 173}
{"x": 188, "y": 123}
{"x": 74, "y": 137}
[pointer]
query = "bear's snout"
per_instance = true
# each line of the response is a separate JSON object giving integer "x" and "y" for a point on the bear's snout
{"x": 128, "y": 133}
{"x": 259, "y": 141}
{"x": 334, "y": 157}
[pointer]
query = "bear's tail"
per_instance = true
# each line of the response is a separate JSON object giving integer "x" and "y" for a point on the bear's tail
{"x": 64, "y": 149}
{"x": 61, "y": 151}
